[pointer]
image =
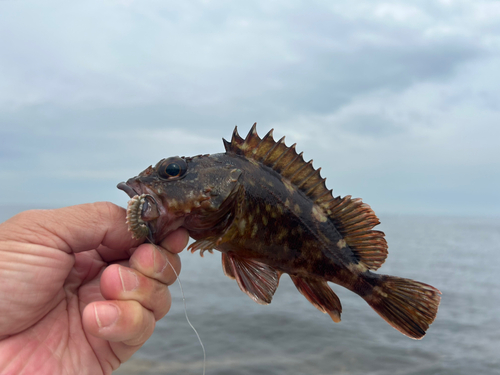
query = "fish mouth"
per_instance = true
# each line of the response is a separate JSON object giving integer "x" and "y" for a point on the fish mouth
{"x": 147, "y": 216}
{"x": 143, "y": 212}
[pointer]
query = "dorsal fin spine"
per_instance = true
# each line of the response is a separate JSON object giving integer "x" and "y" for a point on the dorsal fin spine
{"x": 310, "y": 175}
{"x": 314, "y": 181}
{"x": 269, "y": 157}
{"x": 261, "y": 142}
{"x": 235, "y": 133}
{"x": 291, "y": 150}
{"x": 255, "y": 149}
{"x": 279, "y": 143}
{"x": 289, "y": 170}
{"x": 254, "y": 128}
{"x": 267, "y": 136}
{"x": 299, "y": 169}
{"x": 325, "y": 196}
{"x": 268, "y": 153}
{"x": 252, "y": 132}
{"x": 236, "y": 140}
{"x": 311, "y": 189}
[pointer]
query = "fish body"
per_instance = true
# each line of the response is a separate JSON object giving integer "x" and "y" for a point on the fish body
{"x": 269, "y": 212}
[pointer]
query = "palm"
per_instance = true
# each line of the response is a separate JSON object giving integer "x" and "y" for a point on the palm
{"x": 48, "y": 321}
{"x": 56, "y": 296}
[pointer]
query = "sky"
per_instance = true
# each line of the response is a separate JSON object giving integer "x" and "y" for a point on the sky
{"x": 397, "y": 101}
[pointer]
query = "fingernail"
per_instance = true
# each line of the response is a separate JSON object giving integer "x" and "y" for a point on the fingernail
{"x": 160, "y": 261}
{"x": 105, "y": 314}
{"x": 129, "y": 279}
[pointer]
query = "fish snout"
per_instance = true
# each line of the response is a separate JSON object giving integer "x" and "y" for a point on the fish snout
{"x": 128, "y": 187}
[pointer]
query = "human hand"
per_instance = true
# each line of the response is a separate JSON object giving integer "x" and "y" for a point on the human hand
{"x": 78, "y": 295}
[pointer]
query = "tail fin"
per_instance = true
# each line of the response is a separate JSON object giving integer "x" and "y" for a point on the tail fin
{"x": 407, "y": 305}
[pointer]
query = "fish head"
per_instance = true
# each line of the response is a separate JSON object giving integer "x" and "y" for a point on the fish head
{"x": 179, "y": 191}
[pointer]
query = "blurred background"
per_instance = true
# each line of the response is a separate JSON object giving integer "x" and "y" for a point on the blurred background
{"x": 398, "y": 102}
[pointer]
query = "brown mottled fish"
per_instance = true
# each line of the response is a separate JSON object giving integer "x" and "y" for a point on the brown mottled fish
{"x": 269, "y": 212}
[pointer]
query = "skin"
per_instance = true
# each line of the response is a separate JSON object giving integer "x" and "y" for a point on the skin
{"x": 78, "y": 294}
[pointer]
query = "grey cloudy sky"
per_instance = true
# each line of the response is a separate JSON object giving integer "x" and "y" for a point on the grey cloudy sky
{"x": 398, "y": 102}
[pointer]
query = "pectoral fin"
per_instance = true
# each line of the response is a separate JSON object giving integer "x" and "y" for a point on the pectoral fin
{"x": 320, "y": 295}
{"x": 256, "y": 279}
{"x": 226, "y": 267}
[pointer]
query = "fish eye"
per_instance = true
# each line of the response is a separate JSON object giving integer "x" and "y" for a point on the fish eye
{"x": 172, "y": 168}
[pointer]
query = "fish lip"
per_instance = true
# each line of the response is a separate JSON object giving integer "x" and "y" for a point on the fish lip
{"x": 127, "y": 189}
{"x": 165, "y": 223}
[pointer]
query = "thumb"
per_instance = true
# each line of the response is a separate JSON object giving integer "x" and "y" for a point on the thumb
{"x": 72, "y": 229}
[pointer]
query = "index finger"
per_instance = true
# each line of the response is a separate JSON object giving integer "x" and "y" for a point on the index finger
{"x": 72, "y": 229}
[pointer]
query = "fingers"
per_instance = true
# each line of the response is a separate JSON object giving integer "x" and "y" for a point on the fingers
{"x": 176, "y": 241}
{"x": 136, "y": 296}
{"x": 158, "y": 263}
{"x": 151, "y": 270}
{"x": 123, "y": 283}
{"x": 119, "y": 321}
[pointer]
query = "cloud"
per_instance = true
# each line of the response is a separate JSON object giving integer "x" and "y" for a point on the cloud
{"x": 384, "y": 95}
{"x": 203, "y": 54}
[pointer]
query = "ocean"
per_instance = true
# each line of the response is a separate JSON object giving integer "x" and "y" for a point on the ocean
{"x": 459, "y": 256}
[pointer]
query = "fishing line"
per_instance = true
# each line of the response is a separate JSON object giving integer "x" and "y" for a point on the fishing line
{"x": 186, "y": 314}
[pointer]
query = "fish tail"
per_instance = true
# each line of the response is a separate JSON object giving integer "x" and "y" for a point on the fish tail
{"x": 407, "y": 305}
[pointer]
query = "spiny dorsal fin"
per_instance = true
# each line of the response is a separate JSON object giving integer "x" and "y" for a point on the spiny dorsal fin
{"x": 353, "y": 218}
{"x": 281, "y": 158}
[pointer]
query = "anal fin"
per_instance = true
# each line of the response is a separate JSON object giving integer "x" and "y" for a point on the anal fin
{"x": 320, "y": 295}
{"x": 256, "y": 279}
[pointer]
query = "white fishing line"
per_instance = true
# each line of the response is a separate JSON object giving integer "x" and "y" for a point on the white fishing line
{"x": 186, "y": 314}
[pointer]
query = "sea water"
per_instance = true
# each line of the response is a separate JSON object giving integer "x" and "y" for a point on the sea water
{"x": 459, "y": 256}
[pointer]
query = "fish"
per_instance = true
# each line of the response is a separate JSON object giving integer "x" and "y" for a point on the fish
{"x": 269, "y": 212}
